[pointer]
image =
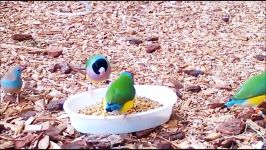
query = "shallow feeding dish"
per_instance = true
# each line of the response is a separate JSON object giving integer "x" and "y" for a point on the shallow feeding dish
{"x": 118, "y": 124}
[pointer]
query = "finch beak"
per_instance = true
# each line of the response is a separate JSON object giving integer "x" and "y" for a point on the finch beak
{"x": 102, "y": 71}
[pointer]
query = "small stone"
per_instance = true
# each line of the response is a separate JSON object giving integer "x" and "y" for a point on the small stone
{"x": 54, "y": 51}
{"x": 152, "y": 47}
{"x": 232, "y": 127}
{"x": 213, "y": 136}
{"x": 22, "y": 37}
{"x": 134, "y": 41}
{"x": 194, "y": 72}
{"x": 260, "y": 57}
{"x": 152, "y": 38}
{"x": 196, "y": 88}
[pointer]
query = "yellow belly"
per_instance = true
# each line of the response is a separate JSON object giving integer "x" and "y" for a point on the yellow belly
{"x": 255, "y": 101}
{"x": 127, "y": 106}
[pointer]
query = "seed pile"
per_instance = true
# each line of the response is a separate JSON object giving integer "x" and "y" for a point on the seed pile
{"x": 141, "y": 104}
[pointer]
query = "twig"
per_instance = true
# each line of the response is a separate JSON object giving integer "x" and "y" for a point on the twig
{"x": 6, "y": 138}
{"x": 174, "y": 144}
{"x": 79, "y": 138}
{"x": 38, "y": 137}
{"x": 4, "y": 109}
{"x": 258, "y": 129}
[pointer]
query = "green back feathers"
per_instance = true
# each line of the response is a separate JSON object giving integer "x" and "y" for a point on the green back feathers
{"x": 121, "y": 90}
{"x": 252, "y": 87}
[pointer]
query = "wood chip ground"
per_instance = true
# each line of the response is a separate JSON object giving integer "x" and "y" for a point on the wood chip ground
{"x": 221, "y": 39}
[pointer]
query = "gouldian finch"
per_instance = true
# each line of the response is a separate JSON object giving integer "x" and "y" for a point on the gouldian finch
{"x": 120, "y": 94}
{"x": 251, "y": 94}
{"x": 12, "y": 82}
{"x": 98, "y": 69}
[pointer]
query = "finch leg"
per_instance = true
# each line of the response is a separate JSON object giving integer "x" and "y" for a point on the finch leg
{"x": 90, "y": 89}
{"x": 2, "y": 95}
{"x": 125, "y": 115}
{"x": 17, "y": 99}
{"x": 260, "y": 113}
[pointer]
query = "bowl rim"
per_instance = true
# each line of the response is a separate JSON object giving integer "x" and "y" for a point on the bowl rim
{"x": 94, "y": 117}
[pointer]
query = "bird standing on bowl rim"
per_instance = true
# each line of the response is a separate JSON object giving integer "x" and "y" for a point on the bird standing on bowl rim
{"x": 11, "y": 82}
{"x": 251, "y": 94}
{"x": 98, "y": 70}
{"x": 120, "y": 94}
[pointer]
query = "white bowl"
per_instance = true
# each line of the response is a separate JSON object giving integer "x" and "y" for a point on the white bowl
{"x": 117, "y": 124}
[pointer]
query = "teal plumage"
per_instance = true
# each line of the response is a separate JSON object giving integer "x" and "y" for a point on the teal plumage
{"x": 12, "y": 82}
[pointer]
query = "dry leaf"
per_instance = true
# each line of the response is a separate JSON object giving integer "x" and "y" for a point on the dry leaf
{"x": 33, "y": 128}
{"x": 54, "y": 52}
{"x": 232, "y": 127}
{"x": 152, "y": 38}
{"x": 215, "y": 105}
{"x": 44, "y": 142}
{"x": 164, "y": 145}
{"x": 26, "y": 114}
{"x": 178, "y": 135}
{"x": 152, "y": 48}
{"x": 22, "y": 37}
{"x": 30, "y": 120}
{"x": 144, "y": 133}
{"x": 53, "y": 68}
{"x": 22, "y": 142}
{"x": 53, "y": 133}
{"x": 65, "y": 68}
{"x": 75, "y": 145}
{"x": 70, "y": 129}
{"x": 134, "y": 41}
{"x": 7, "y": 145}
{"x": 213, "y": 136}
{"x": 176, "y": 84}
{"x": 53, "y": 145}
{"x": 260, "y": 57}
{"x": 55, "y": 105}
{"x": 61, "y": 127}
{"x": 194, "y": 72}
